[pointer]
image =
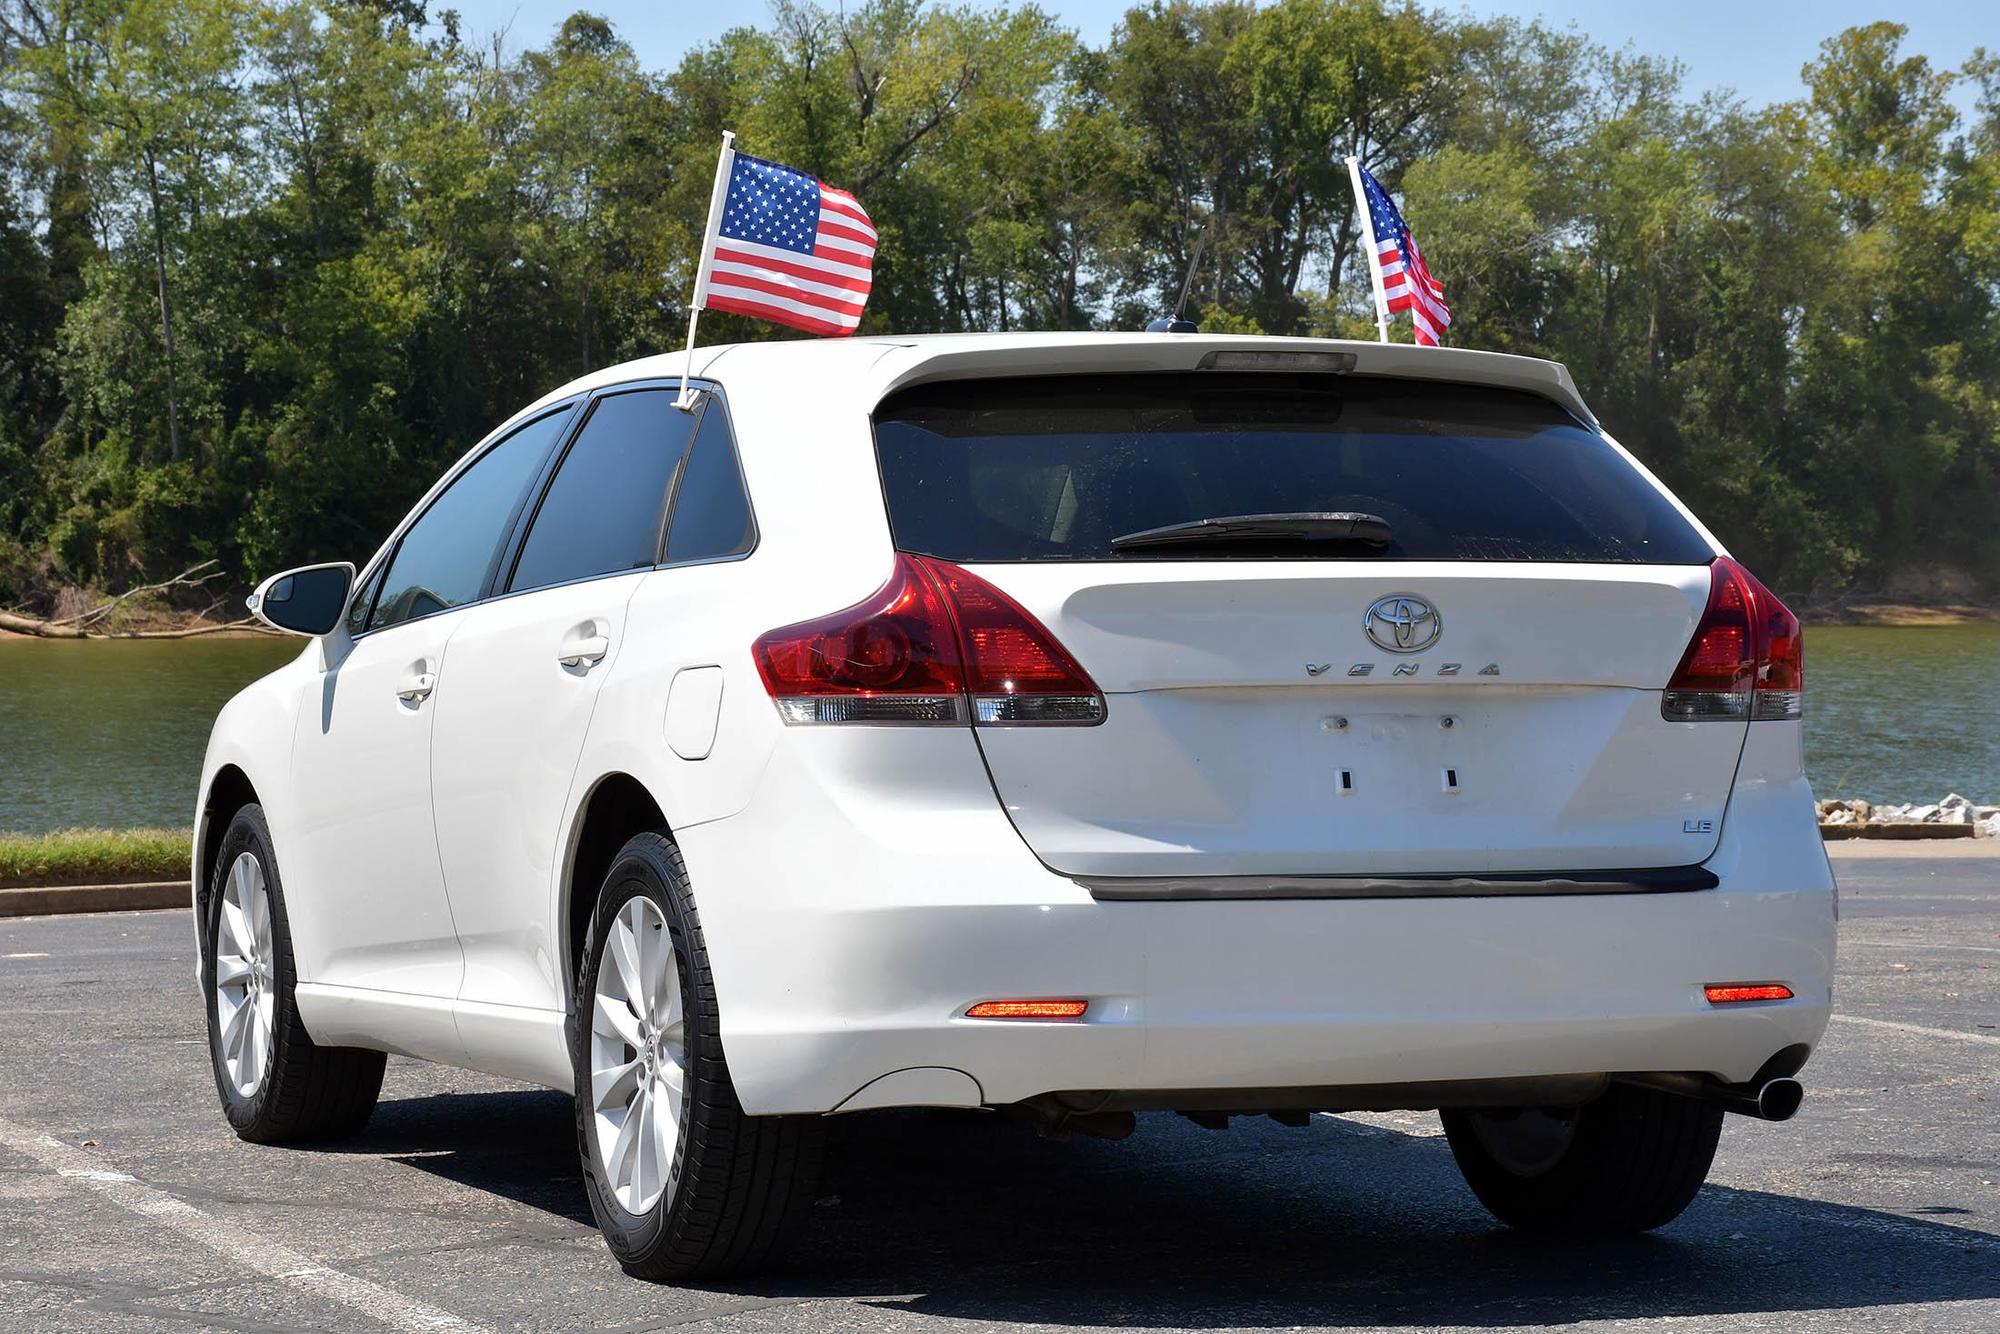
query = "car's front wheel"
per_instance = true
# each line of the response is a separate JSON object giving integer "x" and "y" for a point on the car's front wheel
{"x": 1628, "y": 1162}
{"x": 275, "y": 1082}
{"x": 681, "y": 1181}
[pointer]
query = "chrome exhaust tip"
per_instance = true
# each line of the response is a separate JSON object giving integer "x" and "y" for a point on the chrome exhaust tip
{"x": 1779, "y": 1099}
{"x": 1773, "y": 1100}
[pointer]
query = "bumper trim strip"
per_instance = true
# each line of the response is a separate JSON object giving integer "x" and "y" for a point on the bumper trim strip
{"x": 1518, "y": 884}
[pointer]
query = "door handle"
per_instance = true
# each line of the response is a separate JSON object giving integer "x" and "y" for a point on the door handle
{"x": 417, "y": 687}
{"x": 583, "y": 653}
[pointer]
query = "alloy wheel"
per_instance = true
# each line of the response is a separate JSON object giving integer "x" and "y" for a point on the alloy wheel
{"x": 638, "y": 1056}
{"x": 246, "y": 976}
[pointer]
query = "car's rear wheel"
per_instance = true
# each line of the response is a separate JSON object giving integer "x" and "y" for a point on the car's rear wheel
{"x": 275, "y": 1082}
{"x": 1628, "y": 1162}
{"x": 681, "y": 1181}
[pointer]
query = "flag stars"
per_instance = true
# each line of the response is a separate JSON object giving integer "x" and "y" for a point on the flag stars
{"x": 771, "y": 205}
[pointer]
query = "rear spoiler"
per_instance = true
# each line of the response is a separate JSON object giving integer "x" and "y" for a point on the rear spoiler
{"x": 914, "y": 363}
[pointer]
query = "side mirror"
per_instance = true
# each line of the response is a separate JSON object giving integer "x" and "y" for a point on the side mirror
{"x": 305, "y": 601}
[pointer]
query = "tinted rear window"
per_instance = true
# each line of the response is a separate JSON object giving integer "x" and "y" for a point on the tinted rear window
{"x": 1054, "y": 468}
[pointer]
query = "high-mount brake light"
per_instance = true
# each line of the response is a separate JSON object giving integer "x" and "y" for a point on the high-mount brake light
{"x": 1746, "y": 659}
{"x": 935, "y": 644}
{"x": 1278, "y": 360}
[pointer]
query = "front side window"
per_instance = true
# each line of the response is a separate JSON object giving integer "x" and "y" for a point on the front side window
{"x": 603, "y": 511}
{"x": 443, "y": 559}
{"x": 711, "y": 509}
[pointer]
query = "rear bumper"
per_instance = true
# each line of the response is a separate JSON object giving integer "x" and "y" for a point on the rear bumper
{"x": 1276, "y": 994}
{"x": 832, "y": 981}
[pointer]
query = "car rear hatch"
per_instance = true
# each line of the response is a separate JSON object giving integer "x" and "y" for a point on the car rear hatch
{"x": 1461, "y": 675}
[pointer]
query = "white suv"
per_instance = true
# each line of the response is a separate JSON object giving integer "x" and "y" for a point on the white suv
{"x": 1068, "y": 724}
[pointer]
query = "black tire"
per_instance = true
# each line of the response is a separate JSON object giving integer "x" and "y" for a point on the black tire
{"x": 1629, "y": 1162}
{"x": 739, "y": 1183}
{"x": 306, "y": 1092}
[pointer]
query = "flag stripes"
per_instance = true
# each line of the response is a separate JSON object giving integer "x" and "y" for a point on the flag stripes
{"x": 1404, "y": 280}
{"x": 788, "y": 248}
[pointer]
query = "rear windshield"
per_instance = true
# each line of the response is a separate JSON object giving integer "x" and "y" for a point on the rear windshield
{"x": 1054, "y": 468}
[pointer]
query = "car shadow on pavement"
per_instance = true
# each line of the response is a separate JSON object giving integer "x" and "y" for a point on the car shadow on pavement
{"x": 518, "y": 1145}
{"x": 1259, "y": 1226}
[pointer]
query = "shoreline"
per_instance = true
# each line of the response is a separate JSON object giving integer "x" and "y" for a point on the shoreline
{"x": 1901, "y": 615}
{"x": 219, "y": 631}
{"x": 1897, "y": 615}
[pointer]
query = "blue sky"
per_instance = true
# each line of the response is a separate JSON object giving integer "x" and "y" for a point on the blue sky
{"x": 1756, "y": 49}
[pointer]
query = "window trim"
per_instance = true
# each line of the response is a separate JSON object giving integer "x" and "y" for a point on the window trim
{"x": 385, "y": 557}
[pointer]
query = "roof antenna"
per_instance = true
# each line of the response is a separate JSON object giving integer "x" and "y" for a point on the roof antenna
{"x": 1174, "y": 323}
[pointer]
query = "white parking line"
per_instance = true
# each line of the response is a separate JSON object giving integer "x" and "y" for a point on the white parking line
{"x": 1845, "y": 941}
{"x": 230, "y": 1240}
{"x": 1992, "y": 1039}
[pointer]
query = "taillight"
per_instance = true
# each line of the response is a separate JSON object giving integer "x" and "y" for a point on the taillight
{"x": 935, "y": 644}
{"x": 1747, "y": 657}
{"x": 1780, "y": 691}
{"x": 1015, "y": 670}
{"x": 890, "y": 659}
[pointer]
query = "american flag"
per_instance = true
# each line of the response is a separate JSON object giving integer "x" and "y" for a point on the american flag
{"x": 790, "y": 249}
{"x": 1406, "y": 279}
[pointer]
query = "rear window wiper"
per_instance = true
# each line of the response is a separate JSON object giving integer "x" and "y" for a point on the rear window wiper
{"x": 1339, "y": 526}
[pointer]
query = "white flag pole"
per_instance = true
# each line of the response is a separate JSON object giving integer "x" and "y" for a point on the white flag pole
{"x": 723, "y": 164}
{"x": 1367, "y": 217}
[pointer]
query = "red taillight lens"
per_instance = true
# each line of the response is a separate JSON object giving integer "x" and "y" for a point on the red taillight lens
{"x": 1015, "y": 670}
{"x": 1746, "y": 659}
{"x": 892, "y": 658}
{"x": 1781, "y": 666}
{"x": 935, "y": 644}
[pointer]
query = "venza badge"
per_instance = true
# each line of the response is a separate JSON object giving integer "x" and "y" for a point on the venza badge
{"x": 1402, "y": 623}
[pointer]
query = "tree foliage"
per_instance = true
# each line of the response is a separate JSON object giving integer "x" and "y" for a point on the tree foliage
{"x": 266, "y": 266}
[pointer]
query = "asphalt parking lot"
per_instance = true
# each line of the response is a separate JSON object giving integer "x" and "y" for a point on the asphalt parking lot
{"x": 126, "y": 1204}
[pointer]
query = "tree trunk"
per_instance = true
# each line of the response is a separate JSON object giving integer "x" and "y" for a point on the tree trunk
{"x": 166, "y": 309}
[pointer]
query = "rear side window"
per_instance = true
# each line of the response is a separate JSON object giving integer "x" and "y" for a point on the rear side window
{"x": 711, "y": 510}
{"x": 602, "y": 512}
{"x": 1055, "y": 468}
{"x": 444, "y": 558}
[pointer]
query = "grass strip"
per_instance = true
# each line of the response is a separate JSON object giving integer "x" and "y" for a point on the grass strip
{"x": 93, "y": 856}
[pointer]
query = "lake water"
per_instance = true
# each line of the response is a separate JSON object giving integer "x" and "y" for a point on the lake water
{"x": 109, "y": 732}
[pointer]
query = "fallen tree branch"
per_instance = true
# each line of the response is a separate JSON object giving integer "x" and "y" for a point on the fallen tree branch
{"x": 31, "y": 625}
{"x": 88, "y": 624}
{"x": 208, "y": 569}
{"x": 249, "y": 623}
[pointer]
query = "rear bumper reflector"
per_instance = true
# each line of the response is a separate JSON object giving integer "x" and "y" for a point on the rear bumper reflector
{"x": 1028, "y": 1009}
{"x": 1523, "y": 884}
{"x": 1735, "y": 993}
